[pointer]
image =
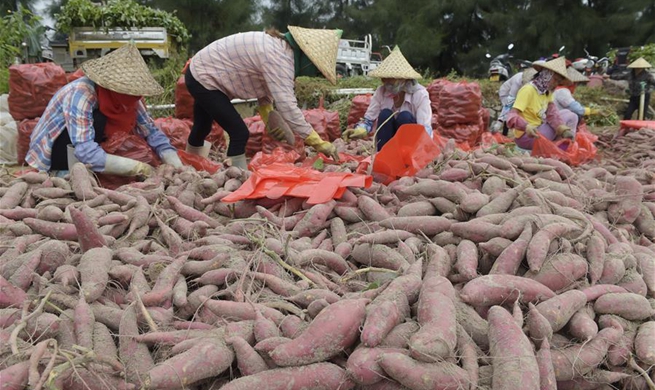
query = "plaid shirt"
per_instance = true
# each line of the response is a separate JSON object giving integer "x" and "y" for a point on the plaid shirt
{"x": 71, "y": 108}
{"x": 252, "y": 65}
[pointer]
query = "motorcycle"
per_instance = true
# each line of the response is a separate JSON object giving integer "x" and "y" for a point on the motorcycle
{"x": 500, "y": 68}
{"x": 620, "y": 66}
{"x": 591, "y": 64}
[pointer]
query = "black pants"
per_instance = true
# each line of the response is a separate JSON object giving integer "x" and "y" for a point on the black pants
{"x": 633, "y": 106}
{"x": 212, "y": 106}
{"x": 59, "y": 156}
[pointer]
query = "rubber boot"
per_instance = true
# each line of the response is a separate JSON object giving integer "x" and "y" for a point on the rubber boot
{"x": 239, "y": 161}
{"x": 202, "y": 151}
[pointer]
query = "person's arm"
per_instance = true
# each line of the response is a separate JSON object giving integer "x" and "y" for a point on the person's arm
{"x": 424, "y": 110}
{"x": 146, "y": 128}
{"x": 565, "y": 99}
{"x": 552, "y": 116}
{"x": 373, "y": 110}
{"x": 78, "y": 116}
{"x": 515, "y": 120}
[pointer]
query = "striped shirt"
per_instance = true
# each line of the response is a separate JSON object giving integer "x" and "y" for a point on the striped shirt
{"x": 252, "y": 65}
{"x": 71, "y": 108}
{"x": 417, "y": 103}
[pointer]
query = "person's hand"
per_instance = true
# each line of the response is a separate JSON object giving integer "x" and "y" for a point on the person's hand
{"x": 277, "y": 134}
{"x": 325, "y": 147}
{"x": 356, "y": 133}
{"x": 122, "y": 166}
{"x": 142, "y": 170}
{"x": 170, "y": 157}
{"x": 531, "y": 130}
{"x": 561, "y": 129}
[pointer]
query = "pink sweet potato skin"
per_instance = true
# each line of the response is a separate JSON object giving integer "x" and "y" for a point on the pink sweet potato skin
{"x": 512, "y": 355}
{"x": 572, "y": 362}
{"x": 363, "y": 367}
{"x": 423, "y": 376}
{"x": 333, "y": 330}
{"x": 318, "y": 376}
{"x": 489, "y": 290}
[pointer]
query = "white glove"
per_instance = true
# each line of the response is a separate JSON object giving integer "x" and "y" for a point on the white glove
{"x": 170, "y": 157}
{"x": 122, "y": 166}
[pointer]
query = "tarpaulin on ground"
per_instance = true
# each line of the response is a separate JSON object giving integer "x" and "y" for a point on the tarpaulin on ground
{"x": 409, "y": 151}
{"x": 284, "y": 179}
{"x": 31, "y": 86}
{"x": 632, "y": 125}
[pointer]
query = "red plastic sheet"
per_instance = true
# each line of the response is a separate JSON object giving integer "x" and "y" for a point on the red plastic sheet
{"x": 574, "y": 153}
{"x": 176, "y": 130}
{"x": 31, "y": 86}
{"x": 279, "y": 179}
{"x": 278, "y": 155}
{"x": 183, "y": 100}
{"x": 632, "y": 125}
{"x": 25, "y": 129}
{"x": 198, "y": 162}
{"x": 409, "y": 151}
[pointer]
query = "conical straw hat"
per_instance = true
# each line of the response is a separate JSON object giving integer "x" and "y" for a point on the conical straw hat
{"x": 576, "y": 76}
{"x": 558, "y": 65}
{"x": 321, "y": 46}
{"x": 123, "y": 71}
{"x": 641, "y": 63}
{"x": 395, "y": 67}
{"x": 528, "y": 75}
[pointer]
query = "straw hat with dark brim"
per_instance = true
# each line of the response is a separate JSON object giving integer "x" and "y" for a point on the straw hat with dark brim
{"x": 123, "y": 71}
{"x": 321, "y": 46}
{"x": 641, "y": 63}
{"x": 558, "y": 65}
{"x": 575, "y": 76}
{"x": 395, "y": 67}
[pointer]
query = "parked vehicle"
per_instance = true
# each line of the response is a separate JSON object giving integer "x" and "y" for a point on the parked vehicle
{"x": 621, "y": 62}
{"x": 86, "y": 43}
{"x": 500, "y": 68}
{"x": 356, "y": 57}
{"x": 591, "y": 65}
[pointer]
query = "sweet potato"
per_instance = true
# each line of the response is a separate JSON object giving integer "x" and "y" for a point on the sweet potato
{"x": 314, "y": 220}
{"x": 134, "y": 355}
{"x": 248, "y": 360}
{"x": 15, "y": 376}
{"x": 495, "y": 246}
{"x": 81, "y": 182}
{"x": 613, "y": 269}
{"x": 630, "y": 193}
{"x": 627, "y": 305}
{"x": 437, "y": 188}
{"x": 476, "y": 231}
{"x": 371, "y": 209}
{"x": 645, "y": 343}
{"x": 489, "y": 290}
{"x": 512, "y": 356}
{"x": 468, "y": 350}
{"x": 538, "y": 247}
{"x": 14, "y": 195}
{"x": 559, "y": 309}
{"x": 94, "y": 272}
{"x": 87, "y": 231}
{"x": 510, "y": 259}
{"x": 163, "y": 288}
{"x": 363, "y": 367}
{"x": 538, "y": 326}
{"x": 380, "y": 256}
{"x": 467, "y": 259}
{"x": 318, "y": 376}
{"x": 423, "y": 376}
{"x": 416, "y": 209}
{"x": 582, "y": 325}
{"x": 428, "y": 225}
{"x": 322, "y": 257}
{"x": 546, "y": 371}
{"x": 333, "y": 330}
{"x": 560, "y": 271}
{"x": 400, "y": 334}
{"x": 573, "y": 362}
{"x": 595, "y": 257}
{"x": 502, "y": 202}
{"x": 57, "y": 230}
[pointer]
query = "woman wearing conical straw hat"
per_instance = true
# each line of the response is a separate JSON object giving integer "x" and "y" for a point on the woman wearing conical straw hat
{"x": 563, "y": 95}
{"x": 96, "y": 108}
{"x": 399, "y": 100}
{"x": 534, "y": 113}
{"x": 639, "y": 79}
{"x": 507, "y": 94}
{"x": 260, "y": 65}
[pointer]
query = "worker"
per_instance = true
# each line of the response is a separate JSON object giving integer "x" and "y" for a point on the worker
{"x": 563, "y": 95}
{"x": 507, "y": 94}
{"x": 260, "y": 65}
{"x": 534, "y": 113}
{"x": 95, "y": 108}
{"x": 399, "y": 100}
{"x": 639, "y": 80}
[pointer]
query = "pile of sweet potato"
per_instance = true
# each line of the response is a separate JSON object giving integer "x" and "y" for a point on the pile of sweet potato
{"x": 480, "y": 272}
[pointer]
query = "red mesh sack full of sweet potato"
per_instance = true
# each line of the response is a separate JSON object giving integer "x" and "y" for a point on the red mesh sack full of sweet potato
{"x": 78, "y": 74}
{"x": 459, "y": 104}
{"x": 176, "y": 130}
{"x": 25, "y": 129}
{"x": 31, "y": 86}
{"x": 434, "y": 89}
{"x": 326, "y": 123}
{"x": 358, "y": 108}
{"x": 183, "y": 100}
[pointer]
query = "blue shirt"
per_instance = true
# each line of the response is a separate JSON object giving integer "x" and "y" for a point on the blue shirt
{"x": 71, "y": 108}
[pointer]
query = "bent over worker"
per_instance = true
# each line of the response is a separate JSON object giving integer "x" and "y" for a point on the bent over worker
{"x": 260, "y": 65}
{"x": 399, "y": 100}
{"x": 96, "y": 108}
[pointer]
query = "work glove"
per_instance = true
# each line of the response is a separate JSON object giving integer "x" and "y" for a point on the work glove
{"x": 561, "y": 129}
{"x": 122, "y": 166}
{"x": 356, "y": 133}
{"x": 591, "y": 111}
{"x": 325, "y": 147}
{"x": 170, "y": 157}
{"x": 497, "y": 127}
{"x": 532, "y": 130}
{"x": 276, "y": 133}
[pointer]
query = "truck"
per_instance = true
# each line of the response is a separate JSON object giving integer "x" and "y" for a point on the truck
{"x": 87, "y": 43}
{"x": 356, "y": 57}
